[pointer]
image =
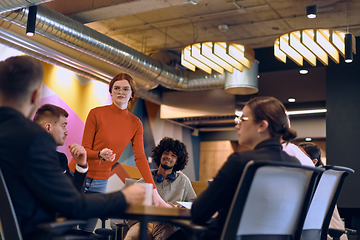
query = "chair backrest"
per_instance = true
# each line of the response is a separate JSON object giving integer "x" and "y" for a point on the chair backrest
{"x": 271, "y": 201}
{"x": 9, "y": 227}
{"x": 322, "y": 205}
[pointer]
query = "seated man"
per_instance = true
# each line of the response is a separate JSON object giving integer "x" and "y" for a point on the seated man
{"x": 53, "y": 120}
{"x": 170, "y": 156}
{"x": 313, "y": 151}
{"x": 29, "y": 162}
{"x": 295, "y": 151}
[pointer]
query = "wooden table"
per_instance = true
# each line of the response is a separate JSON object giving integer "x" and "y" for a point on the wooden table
{"x": 151, "y": 213}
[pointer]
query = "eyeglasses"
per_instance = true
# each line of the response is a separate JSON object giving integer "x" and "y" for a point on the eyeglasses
{"x": 239, "y": 120}
{"x": 119, "y": 89}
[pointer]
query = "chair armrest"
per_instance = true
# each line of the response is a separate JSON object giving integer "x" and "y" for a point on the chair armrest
{"x": 335, "y": 233}
{"x": 105, "y": 232}
{"x": 59, "y": 228}
{"x": 350, "y": 231}
{"x": 120, "y": 224}
{"x": 192, "y": 230}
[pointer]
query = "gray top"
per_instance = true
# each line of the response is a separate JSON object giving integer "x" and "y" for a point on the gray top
{"x": 178, "y": 190}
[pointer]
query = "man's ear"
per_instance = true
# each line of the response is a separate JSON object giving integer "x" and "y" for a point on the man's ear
{"x": 263, "y": 126}
{"x": 47, "y": 127}
{"x": 315, "y": 161}
{"x": 34, "y": 96}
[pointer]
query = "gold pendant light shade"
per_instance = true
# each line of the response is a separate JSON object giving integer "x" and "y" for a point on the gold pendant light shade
{"x": 311, "y": 45}
{"x": 217, "y": 56}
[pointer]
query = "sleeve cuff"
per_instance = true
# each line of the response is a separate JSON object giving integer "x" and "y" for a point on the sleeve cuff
{"x": 81, "y": 170}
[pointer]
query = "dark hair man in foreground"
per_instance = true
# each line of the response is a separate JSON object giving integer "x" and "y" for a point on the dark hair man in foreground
{"x": 28, "y": 159}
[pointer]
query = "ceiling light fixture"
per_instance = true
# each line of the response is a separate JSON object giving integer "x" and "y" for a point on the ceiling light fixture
{"x": 295, "y": 112}
{"x": 311, "y": 11}
{"x": 348, "y": 49}
{"x": 223, "y": 27}
{"x": 291, "y": 100}
{"x": 311, "y": 111}
{"x": 312, "y": 45}
{"x": 194, "y": 2}
{"x": 303, "y": 71}
{"x": 242, "y": 83}
{"x": 217, "y": 56}
{"x": 308, "y": 139}
{"x": 31, "y": 21}
{"x": 348, "y": 41}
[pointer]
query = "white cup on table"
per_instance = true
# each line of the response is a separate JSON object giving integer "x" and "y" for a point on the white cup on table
{"x": 148, "y": 193}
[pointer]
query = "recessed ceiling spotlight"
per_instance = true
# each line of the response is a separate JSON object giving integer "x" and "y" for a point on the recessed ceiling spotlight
{"x": 223, "y": 27}
{"x": 308, "y": 139}
{"x": 191, "y": 1}
{"x": 303, "y": 71}
{"x": 258, "y": 76}
{"x": 291, "y": 100}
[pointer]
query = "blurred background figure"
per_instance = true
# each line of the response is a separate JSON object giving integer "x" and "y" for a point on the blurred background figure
{"x": 313, "y": 151}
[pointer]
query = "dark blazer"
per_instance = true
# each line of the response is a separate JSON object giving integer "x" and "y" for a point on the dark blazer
{"x": 35, "y": 179}
{"x": 77, "y": 178}
{"x": 219, "y": 194}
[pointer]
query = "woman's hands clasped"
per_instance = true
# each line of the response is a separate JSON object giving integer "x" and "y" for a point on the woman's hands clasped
{"x": 107, "y": 155}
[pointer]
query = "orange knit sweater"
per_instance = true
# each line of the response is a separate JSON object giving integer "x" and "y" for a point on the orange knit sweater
{"x": 113, "y": 128}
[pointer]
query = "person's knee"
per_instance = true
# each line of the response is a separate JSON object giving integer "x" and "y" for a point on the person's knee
{"x": 133, "y": 232}
{"x": 162, "y": 231}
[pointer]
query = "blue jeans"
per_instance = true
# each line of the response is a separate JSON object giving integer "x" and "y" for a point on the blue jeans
{"x": 93, "y": 186}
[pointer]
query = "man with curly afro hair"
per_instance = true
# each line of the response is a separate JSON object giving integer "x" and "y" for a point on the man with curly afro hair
{"x": 178, "y": 148}
{"x": 171, "y": 157}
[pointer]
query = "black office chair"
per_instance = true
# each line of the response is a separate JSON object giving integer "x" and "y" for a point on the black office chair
{"x": 270, "y": 202}
{"x": 316, "y": 225}
{"x": 104, "y": 233}
{"x": 9, "y": 227}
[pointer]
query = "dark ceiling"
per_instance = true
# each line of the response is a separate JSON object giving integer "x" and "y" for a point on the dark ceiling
{"x": 153, "y": 26}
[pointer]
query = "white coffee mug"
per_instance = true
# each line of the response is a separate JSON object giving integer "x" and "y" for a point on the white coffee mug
{"x": 148, "y": 193}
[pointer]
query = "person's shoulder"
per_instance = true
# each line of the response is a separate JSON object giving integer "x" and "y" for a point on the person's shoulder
{"x": 241, "y": 155}
{"x": 100, "y": 108}
{"x": 60, "y": 154}
{"x": 182, "y": 175}
{"x": 131, "y": 115}
{"x": 182, "y": 178}
{"x": 134, "y": 118}
{"x": 100, "y": 112}
{"x": 15, "y": 118}
{"x": 296, "y": 155}
{"x": 31, "y": 127}
{"x": 37, "y": 138}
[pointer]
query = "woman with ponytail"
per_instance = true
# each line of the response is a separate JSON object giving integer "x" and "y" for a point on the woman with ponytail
{"x": 261, "y": 127}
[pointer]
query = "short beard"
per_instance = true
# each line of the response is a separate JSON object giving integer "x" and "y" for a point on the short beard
{"x": 166, "y": 167}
